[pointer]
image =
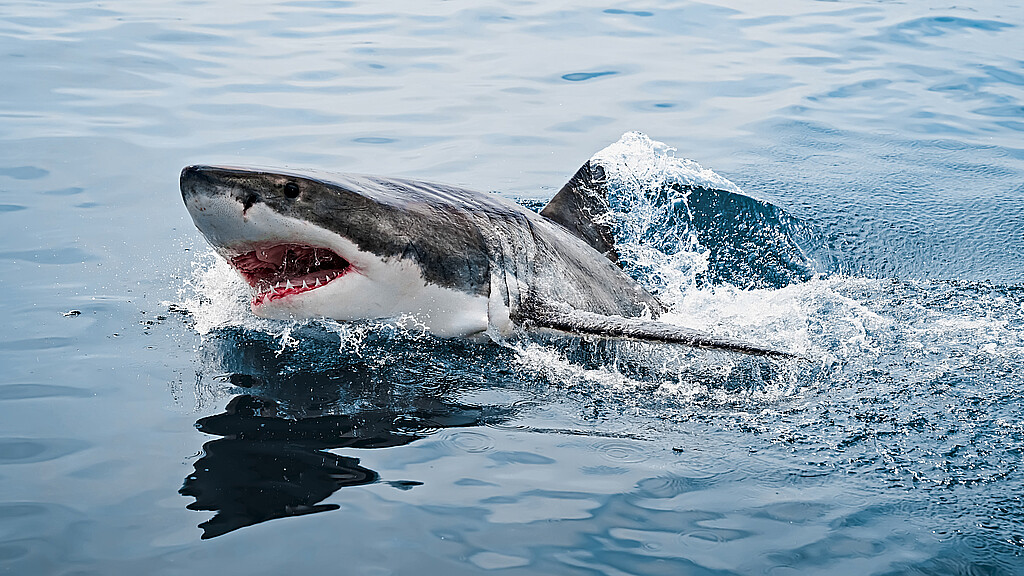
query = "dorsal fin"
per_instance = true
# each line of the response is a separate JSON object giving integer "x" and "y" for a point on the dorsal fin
{"x": 580, "y": 206}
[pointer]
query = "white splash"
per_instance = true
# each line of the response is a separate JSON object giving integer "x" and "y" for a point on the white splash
{"x": 643, "y": 163}
{"x": 216, "y": 296}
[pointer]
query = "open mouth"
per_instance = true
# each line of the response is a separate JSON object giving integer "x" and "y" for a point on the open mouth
{"x": 275, "y": 272}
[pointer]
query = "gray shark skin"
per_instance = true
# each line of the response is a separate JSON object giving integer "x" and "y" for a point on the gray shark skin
{"x": 454, "y": 261}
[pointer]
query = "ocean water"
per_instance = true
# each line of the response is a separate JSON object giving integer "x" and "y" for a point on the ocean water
{"x": 871, "y": 161}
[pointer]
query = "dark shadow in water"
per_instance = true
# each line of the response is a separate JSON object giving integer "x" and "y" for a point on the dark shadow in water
{"x": 265, "y": 467}
{"x": 272, "y": 457}
{"x": 257, "y": 473}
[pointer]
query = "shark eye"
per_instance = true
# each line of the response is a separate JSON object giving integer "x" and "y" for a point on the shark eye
{"x": 291, "y": 190}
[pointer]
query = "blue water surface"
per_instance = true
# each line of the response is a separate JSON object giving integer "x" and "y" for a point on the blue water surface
{"x": 148, "y": 425}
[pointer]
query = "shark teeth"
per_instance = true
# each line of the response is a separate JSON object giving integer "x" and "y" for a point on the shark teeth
{"x": 264, "y": 291}
{"x": 285, "y": 270}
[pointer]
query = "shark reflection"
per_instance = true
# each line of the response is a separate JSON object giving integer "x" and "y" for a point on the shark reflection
{"x": 265, "y": 467}
{"x": 272, "y": 458}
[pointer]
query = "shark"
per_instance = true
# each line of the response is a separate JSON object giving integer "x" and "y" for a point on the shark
{"x": 457, "y": 262}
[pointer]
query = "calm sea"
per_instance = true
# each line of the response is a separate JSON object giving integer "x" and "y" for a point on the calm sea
{"x": 150, "y": 425}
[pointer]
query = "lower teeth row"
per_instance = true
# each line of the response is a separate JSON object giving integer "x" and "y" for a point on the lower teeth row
{"x": 287, "y": 284}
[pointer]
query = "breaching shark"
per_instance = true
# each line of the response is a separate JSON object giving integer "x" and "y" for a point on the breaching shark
{"x": 459, "y": 263}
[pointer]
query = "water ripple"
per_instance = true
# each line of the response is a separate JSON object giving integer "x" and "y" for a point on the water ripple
{"x": 469, "y": 441}
{"x": 621, "y": 452}
{"x": 34, "y": 450}
{"x": 584, "y": 76}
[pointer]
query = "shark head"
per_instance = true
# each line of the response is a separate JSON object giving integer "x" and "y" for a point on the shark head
{"x": 347, "y": 247}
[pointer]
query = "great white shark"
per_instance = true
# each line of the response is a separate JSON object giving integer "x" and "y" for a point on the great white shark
{"x": 459, "y": 263}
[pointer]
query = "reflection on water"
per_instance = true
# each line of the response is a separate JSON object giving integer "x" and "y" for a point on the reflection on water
{"x": 264, "y": 467}
{"x": 272, "y": 458}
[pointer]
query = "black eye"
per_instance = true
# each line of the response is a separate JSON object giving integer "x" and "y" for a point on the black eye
{"x": 291, "y": 190}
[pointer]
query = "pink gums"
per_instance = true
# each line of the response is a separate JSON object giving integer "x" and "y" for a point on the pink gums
{"x": 283, "y": 270}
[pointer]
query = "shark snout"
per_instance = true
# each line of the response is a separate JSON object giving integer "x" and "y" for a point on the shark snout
{"x": 210, "y": 181}
{"x": 196, "y": 181}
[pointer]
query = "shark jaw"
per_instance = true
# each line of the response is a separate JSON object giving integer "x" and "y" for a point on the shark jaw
{"x": 281, "y": 271}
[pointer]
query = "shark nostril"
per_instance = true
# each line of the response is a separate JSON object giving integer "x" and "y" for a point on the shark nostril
{"x": 248, "y": 199}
